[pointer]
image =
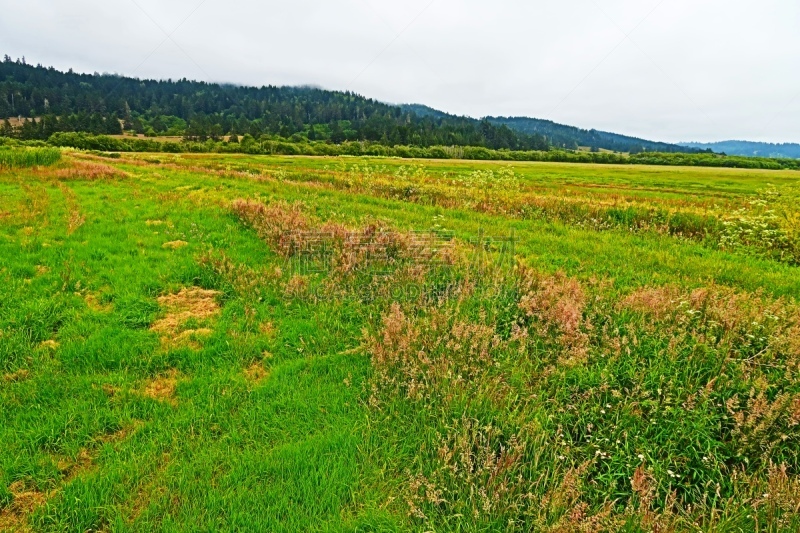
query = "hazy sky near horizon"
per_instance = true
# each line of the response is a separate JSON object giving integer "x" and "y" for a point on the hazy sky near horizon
{"x": 670, "y": 70}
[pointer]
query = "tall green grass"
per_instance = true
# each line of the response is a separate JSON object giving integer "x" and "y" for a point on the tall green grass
{"x": 28, "y": 157}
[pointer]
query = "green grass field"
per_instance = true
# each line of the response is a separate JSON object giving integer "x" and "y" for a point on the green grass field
{"x": 234, "y": 343}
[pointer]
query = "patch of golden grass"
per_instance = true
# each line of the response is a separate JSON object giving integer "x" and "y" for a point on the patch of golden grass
{"x": 84, "y": 170}
{"x": 163, "y": 388}
{"x": 725, "y": 317}
{"x": 267, "y": 328}
{"x": 73, "y": 468}
{"x": 256, "y": 373}
{"x": 187, "y": 305}
{"x": 192, "y": 337}
{"x": 20, "y": 375}
{"x": 93, "y": 303}
{"x": 50, "y": 345}
{"x": 345, "y": 251}
{"x": 27, "y": 499}
{"x": 175, "y": 245}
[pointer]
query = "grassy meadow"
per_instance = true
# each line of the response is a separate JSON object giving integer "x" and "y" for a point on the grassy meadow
{"x": 213, "y": 342}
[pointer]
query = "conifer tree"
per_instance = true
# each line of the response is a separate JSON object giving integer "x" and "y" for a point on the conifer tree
{"x": 7, "y": 130}
{"x": 113, "y": 126}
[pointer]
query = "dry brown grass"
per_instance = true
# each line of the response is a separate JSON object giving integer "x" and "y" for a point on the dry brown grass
{"x": 19, "y": 375}
{"x": 658, "y": 302}
{"x": 152, "y": 485}
{"x": 188, "y": 304}
{"x": 794, "y": 412}
{"x": 556, "y": 304}
{"x": 721, "y": 313}
{"x": 256, "y": 373}
{"x": 436, "y": 354}
{"x": 84, "y": 171}
{"x": 291, "y": 234}
{"x": 27, "y": 499}
{"x": 17, "y": 122}
{"x": 354, "y": 250}
{"x": 793, "y": 341}
{"x": 193, "y": 337}
{"x": 93, "y": 303}
{"x": 279, "y": 224}
{"x": 163, "y": 387}
{"x": 759, "y": 423}
{"x": 50, "y": 345}
{"x": 296, "y": 286}
{"x": 644, "y": 486}
{"x": 783, "y": 490}
{"x": 73, "y": 468}
{"x": 267, "y": 328}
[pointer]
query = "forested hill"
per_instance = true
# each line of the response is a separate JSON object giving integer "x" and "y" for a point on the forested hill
{"x": 95, "y": 103}
{"x": 425, "y": 111}
{"x": 570, "y": 137}
{"x": 750, "y": 149}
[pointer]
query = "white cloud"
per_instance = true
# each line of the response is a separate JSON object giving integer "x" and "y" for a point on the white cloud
{"x": 667, "y": 70}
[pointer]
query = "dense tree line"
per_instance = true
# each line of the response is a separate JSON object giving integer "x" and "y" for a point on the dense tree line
{"x": 44, "y": 127}
{"x": 94, "y": 103}
{"x": 266, "y": 145}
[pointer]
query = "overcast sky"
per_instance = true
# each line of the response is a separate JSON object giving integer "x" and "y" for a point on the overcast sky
{"x": 671, "y": 70}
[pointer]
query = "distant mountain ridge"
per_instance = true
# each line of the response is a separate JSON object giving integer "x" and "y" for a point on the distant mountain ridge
{"x": 571, "y": 137}
{"x": 563, "y": 136}
{"x": 750, "y": 148}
